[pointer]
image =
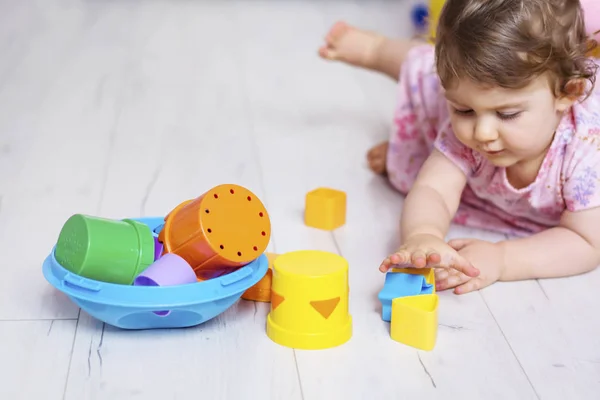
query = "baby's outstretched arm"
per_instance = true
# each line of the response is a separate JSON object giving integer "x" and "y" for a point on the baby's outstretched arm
{"x": 571, "y": 248}
{"x": 428, "y": 210}
{"x": 434, "y": 198}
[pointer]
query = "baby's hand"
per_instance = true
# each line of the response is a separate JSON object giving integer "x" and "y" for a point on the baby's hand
{"x": 429, "y": 251}
{"x": 488, "y": 256}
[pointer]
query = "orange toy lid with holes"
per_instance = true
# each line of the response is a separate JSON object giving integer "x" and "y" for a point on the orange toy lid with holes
{"x": 225, "y": 228}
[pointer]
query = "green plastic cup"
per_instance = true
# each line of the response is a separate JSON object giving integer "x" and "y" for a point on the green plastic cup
{"x": 105, "y": 250}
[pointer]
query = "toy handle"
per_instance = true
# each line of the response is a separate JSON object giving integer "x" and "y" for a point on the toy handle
{"x": 236, "y": 276}
{"x": 239, "y": 277}
{"x": 79, "y": 283}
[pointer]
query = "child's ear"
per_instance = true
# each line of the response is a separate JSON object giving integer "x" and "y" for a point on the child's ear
{"x": 573, "y": 90}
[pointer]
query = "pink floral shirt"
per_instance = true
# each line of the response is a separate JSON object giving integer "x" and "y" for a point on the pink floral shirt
{"x": 569, "y": 178}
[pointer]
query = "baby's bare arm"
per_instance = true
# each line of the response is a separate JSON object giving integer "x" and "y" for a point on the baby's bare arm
{"x": 426, "y": 216}
{"x": 434, "y": 198}
{"x": 571, "y": 248}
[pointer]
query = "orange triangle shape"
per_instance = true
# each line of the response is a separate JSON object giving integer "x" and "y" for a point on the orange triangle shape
{"x": 276, "y": 300}
{"x": 325, "y": 307}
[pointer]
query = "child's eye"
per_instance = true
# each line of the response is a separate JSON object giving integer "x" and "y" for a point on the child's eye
{"x": 508, "y": 116}
{"x": 463, "y": 112}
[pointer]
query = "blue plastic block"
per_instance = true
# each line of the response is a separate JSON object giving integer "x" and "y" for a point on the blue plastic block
{"x": 399, "y": 284}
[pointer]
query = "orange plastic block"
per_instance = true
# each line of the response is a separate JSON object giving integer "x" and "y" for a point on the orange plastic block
{"x": 220, "y": 231}
{"x": 262, "y": 290}
{"x": 325, "y": 209}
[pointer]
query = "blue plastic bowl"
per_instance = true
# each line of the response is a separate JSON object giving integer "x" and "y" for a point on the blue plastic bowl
{"x": 136, "y": 307}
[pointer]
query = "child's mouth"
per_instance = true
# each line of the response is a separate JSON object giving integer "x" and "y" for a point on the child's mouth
{"x": 493, "y": 153}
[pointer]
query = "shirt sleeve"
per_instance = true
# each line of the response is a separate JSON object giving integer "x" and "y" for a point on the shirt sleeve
{"x": 581, "y": 187}
{"x": 462, "y": 156}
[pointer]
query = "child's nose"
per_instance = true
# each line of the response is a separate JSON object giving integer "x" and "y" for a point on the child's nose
{"x": 485, "y": 131}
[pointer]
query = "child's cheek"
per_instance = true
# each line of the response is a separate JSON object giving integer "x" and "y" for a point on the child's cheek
{"x": 463, "y": 130}
{"x": 521, "y": 141}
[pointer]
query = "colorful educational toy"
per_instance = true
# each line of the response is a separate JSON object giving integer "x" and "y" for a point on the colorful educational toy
{"x": 398, "y": 284}
{"x": 168, "y": 270}
{"x": 409, "y": 302}
{"x": 103, "y": 249}
{"x": 171, "y": 272}
{"x": 262, "y": 290}
{"x": 158, "y": 248}
{"x": 309, "y": 301}
{"x": 325, "y": 209}
{"x": 218, "y": 232}
{"x": 415, "y": 321}
{"x": 169, "y": 305}
{"x": 428, "y": 273}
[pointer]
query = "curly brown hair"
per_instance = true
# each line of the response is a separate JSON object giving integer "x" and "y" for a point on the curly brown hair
{"x": 508, "y": 43}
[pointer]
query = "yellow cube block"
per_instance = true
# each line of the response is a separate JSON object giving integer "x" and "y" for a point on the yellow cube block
{"x": 325, "y": 209}
{"x": 414, "y": 320}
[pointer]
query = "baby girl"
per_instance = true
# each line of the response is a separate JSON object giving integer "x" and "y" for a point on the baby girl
{"x": 497, "y": 126}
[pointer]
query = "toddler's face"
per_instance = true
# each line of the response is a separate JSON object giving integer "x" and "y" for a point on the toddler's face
{"x": 507, "y": 126}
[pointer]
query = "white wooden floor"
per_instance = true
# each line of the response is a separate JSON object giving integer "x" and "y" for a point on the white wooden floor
{"x": 124, "y": 108}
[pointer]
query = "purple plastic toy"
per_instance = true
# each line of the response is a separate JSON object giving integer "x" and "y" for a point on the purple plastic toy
{"x": 169, "y": 270}
{"x": 158, "y": 249}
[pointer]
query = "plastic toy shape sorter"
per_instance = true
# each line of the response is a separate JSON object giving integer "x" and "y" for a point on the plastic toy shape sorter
{"x": 325, "y": 209}
{"x": 415, "y": 321}
{"x": 309, "y": 301}
{"x": 218, "y": 232}
{"x": 413, "y": 314}
{"x": 403, "y": 283}
{"x": 103, "y": 249}
{"x": 151, "y": 307}
{"x": 262, "y": 290}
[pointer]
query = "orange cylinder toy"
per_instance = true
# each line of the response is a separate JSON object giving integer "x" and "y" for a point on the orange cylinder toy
{"x": 218, "y": 232}
{"x": 261, "y": 291}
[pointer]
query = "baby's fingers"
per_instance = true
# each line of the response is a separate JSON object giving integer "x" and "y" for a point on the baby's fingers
{"x": 461, "y": 264}
{"x": 433, "y": 259}
{"x": 400, "y": 257}
{"x": 469, "y": 286}
{"x": 385, "y": 265}
{"x": 442, "y": 274}
{"x": 419, "y": 259}
{"x": 452, "y": 279}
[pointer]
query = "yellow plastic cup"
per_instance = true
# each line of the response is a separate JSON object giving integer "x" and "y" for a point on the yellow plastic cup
{"x": 309, "y": 301}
